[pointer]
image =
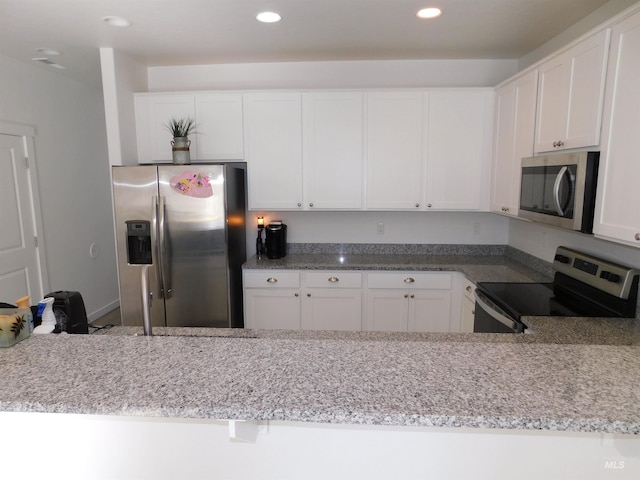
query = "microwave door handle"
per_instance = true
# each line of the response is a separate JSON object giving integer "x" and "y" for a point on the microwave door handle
{"x": 556, "y": 190}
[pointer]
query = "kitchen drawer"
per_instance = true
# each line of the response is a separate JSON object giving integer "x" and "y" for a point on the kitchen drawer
{"x": 330, "y": 279}
{"x": 468, "y": 289}
{"x": 410, "y": 280}
{"x": 271, "y": 279}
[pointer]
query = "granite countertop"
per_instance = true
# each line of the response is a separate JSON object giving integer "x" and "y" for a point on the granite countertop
{"x": 477, "y": 268}
{"x": 503, "y": 381}
{"x": 574, "y": 374}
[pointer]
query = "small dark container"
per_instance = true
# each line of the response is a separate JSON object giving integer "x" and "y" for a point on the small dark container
{"x": 276, "y": 241}
{"x": 68, "y": 308}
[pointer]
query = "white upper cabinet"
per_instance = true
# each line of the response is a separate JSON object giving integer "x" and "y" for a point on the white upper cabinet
{"x": 515, "y": 113}
{"x": 153, "y": 112}
{"x": 617, "y": 215}
{"x": 333, "y": 150}
{"x": 219, "y": 125}
{"x": 459, "y": 139}
{"x": 395, "y": 153}
{"x": 273, "y": 150}
{"x": 218, "y": 119}
{"x": 570, "y": 96}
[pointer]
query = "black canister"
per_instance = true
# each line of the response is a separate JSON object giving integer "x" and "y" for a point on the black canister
{"x": 276, "y": 241}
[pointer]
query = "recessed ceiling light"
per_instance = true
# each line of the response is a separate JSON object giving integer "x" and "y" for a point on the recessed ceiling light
{"x": 116, "y": 21}
{"x": 48, "y": 51}
{"x": 431, "y": 12}
{"x": 268, "y": 17}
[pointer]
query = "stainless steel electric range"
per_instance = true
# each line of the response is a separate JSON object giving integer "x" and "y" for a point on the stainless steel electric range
{"x": 583, "y": 286}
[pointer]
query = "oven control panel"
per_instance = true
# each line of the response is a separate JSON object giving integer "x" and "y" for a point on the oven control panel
{"x": 607, "y": 276}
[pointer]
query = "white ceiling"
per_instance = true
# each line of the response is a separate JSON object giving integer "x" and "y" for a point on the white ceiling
{"x": 189, "y": 32}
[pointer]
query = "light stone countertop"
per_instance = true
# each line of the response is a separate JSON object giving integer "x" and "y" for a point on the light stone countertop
{"x": 334, "y": 377}
{"x": 477, "y": 268}
{"x": 573, "y": 374}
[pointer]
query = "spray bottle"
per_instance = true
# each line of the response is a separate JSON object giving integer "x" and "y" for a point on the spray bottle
{"x": 45, "y": 310}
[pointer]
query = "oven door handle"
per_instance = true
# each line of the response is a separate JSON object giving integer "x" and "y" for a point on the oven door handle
{"x": 496, "y": 313}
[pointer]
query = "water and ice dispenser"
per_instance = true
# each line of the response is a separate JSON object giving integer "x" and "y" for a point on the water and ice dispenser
{"x": 139, "y": 242}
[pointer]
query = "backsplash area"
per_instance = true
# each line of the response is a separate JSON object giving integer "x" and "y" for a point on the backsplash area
{"x": 532, "y": 262}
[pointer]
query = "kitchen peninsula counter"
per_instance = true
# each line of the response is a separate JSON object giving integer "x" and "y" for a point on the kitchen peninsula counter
{"x": 570, "y": 374}
{"x": 435, "y": 380}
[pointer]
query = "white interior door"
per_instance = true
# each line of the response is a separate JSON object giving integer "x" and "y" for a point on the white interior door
{"x": 19, "y": 262}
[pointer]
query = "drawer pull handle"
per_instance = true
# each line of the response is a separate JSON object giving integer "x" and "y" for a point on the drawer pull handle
{"x": 272, "y": 280}
{"x": 468, "y": 288}
{"x": 333, "y": 279}
{"x": 409, "y": 280}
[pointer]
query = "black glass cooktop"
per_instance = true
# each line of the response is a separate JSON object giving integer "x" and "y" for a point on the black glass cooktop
{"x": 540, "y": 299}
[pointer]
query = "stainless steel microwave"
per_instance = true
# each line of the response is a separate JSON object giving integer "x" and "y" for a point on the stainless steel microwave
{"x": 560, "y": 189}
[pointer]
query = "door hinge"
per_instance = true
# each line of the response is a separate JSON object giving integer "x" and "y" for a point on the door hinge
{"x": 26, "y": 162}
{"x": 35, "y": 242}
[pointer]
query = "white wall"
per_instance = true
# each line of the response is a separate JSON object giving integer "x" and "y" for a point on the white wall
{"x": 399, "y": 227}
{"x": 146, "y": 448}
{"x": 121, "y": 78}
{"x": 73, "y": 174}
{"x": 542, "y": 240}
{"x": 343, "y": 74}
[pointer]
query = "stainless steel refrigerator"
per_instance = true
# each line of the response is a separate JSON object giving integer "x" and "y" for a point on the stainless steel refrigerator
{"x": 180, "y": 237}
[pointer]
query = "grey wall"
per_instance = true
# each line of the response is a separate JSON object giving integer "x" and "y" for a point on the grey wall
{"x": 73, "y": 174}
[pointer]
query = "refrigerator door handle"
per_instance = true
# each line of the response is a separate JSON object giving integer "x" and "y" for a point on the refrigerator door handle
{"x": 165, "y": 269}
{"x": 157, "y": 249}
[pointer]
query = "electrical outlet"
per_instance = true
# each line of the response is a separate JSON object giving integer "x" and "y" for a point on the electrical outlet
{"x": 380, "y": 228}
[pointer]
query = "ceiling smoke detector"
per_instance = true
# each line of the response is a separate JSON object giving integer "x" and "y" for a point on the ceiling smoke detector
{"x": 46, "y": 61}
{"x": 51, "y": 52}
{"x": 116, "y": 21}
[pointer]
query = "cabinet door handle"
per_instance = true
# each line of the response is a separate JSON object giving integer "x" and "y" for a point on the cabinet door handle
{"x": 417, "y": 205}
{"x": 296, "y": 294}
{"x": 333, "y": 279}
{"x": 468, "y": 288}
{"x": 637, "y": 237}
{"x": 409, "y": 280}
{"x": 428, "y": 205}
{"x": 299, "y": 204}
{"x": 272, "y": 280}
{"x": 311, "y": 204}
{"x": 406, "y": 295}
{"x": 308, "y": 295}
{"x": 412, "y": 296}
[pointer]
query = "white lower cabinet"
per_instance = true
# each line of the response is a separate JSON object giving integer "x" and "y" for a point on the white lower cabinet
{"x": 293, "y": 300}
{"x": 334, "y": 300}
{"x": 272, "y": 299}
{"x": 409, "y": 302}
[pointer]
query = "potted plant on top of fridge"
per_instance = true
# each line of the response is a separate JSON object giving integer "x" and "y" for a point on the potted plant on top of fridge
{"x": 181, "y": 128}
